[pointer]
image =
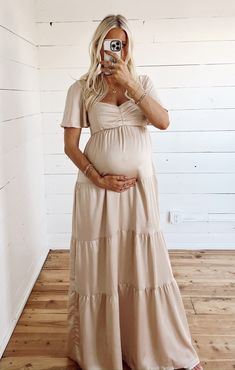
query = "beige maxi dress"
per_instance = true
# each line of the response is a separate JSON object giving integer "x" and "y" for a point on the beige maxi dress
{"x": 124, "y": 302}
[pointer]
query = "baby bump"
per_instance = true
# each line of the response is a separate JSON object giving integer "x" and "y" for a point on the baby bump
{"x": 123, "y": 150}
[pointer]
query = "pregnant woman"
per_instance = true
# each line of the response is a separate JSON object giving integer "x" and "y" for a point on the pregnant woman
{"x": 124, "y": 302}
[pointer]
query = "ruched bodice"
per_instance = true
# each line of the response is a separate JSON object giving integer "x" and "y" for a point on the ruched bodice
{"x": 120, "y": 142}
{"x": 105, "y": 116}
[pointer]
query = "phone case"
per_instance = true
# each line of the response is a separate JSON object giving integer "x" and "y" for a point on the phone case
{"x": 114, "y": 45}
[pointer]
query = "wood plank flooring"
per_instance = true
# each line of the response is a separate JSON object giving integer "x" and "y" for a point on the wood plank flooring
{"x": 206, "y": 281}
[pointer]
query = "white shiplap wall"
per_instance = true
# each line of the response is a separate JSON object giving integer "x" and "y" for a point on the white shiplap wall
{"x": 188, "y": 49}
{"x": 23, "y": 244}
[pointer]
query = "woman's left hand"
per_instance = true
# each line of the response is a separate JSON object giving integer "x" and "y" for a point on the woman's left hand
{"x": 118, "y": 68}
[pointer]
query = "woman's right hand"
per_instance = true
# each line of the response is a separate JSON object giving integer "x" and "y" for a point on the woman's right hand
{"x": 118, "y": 183}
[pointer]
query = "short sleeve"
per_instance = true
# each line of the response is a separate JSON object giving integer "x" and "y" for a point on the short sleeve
{"x": 151, "y": 90}
{"x": 75, "y": 114}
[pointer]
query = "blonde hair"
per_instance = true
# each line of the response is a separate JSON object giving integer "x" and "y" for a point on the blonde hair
{"x": 93, "y": 84}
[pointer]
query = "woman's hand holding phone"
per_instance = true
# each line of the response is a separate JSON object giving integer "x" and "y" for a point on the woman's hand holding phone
{"x": 118, "y": 68}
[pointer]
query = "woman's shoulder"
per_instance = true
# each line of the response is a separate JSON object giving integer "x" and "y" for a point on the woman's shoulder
{"x": 76, "y": 85}
{"x": 75, "y": 88}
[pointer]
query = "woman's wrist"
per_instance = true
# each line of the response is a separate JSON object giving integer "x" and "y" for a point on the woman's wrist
{"x": 94, "y": 176}
{"x": 134, "y": 89}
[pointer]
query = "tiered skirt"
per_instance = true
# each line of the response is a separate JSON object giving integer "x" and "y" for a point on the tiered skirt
{"x": 123, "y": 302}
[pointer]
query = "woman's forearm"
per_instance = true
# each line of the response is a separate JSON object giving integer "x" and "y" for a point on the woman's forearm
{"x": 81, "y": 161}
{"x": 152, "y": 110}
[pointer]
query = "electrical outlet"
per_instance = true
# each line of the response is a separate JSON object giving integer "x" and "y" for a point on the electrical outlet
{"x": 176, "y": 217}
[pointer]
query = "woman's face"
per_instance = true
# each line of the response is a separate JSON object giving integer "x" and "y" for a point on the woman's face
{"x": 117, "y": 33}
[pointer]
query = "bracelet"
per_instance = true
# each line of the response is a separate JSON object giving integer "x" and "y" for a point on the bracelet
{"x": 88, "y": 168}
{"x": 136, "y": 89}
{"x": 89, "y": 171}
{"x": 142, "y": 96}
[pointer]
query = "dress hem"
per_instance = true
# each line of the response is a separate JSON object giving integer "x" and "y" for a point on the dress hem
{"x": 190, "y": 367}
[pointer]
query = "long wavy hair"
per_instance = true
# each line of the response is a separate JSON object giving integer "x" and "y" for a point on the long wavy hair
{"x": 94, "y": 85}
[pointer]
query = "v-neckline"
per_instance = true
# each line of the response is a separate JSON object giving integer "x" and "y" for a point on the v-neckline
{"x": 114, "y": 105}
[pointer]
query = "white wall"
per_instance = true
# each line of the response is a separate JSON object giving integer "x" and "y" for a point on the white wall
{"x": 23, "y": 244}
{"x": 187, "y": 48}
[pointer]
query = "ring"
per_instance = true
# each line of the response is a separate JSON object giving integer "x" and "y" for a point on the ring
{"x": 114, "y": 60}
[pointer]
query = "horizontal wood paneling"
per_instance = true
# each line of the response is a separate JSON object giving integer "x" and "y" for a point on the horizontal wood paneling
{"x": 172, "y": 163}
{"x": 164, "y": 141}
{"x": 148, "y": 54}
{"x": 72, "y": 10}
{"x": 221, "y": 204}
{"x": 19, "y": 20}
{"x": 185, "y": 99}
{"x": 23, "y": 240}
{"x": 168, "y": 183}
{"x": 18, "y": 49}
{"x": 165, "y": 76}
{"x": 18, "y": 76}
{"x": 144, "y": 30}
{"x": 188, "y": 50}
{"x": 181, "y": 120}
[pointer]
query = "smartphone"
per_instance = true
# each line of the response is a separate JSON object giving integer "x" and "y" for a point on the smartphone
{"x": 114, "y": 45}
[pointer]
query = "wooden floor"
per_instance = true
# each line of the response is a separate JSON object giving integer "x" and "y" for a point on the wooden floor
{"x": 206, "y": 281}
